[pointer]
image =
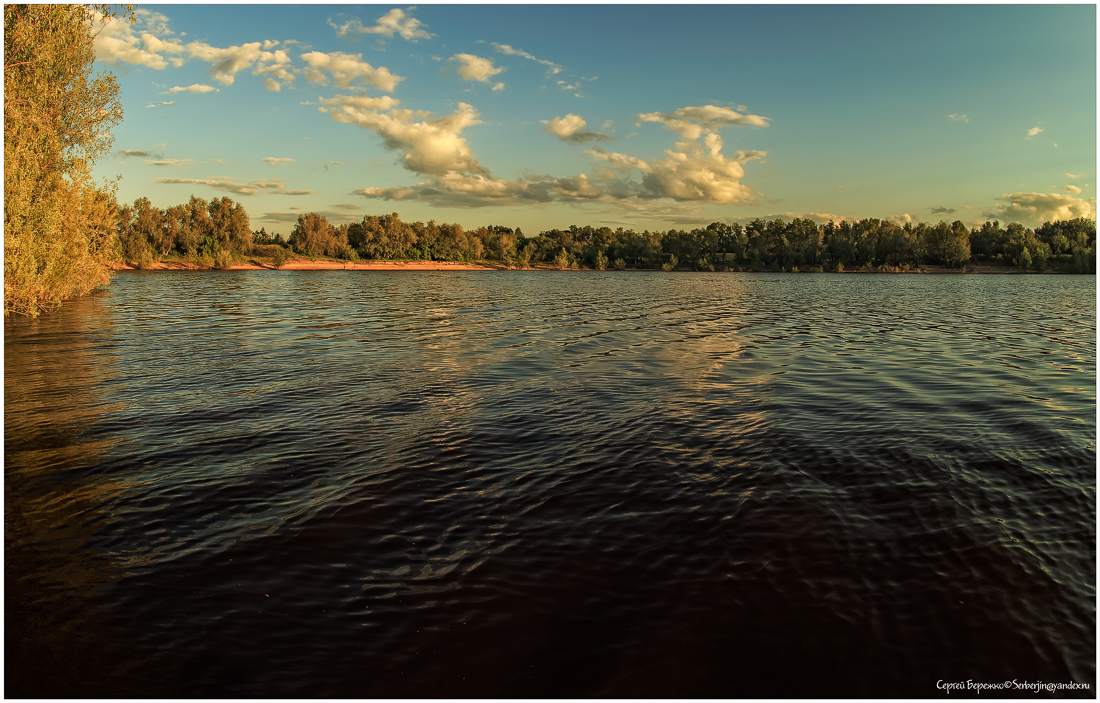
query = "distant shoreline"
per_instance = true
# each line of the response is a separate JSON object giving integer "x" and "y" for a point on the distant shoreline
{"x": 320, "y": 265}
{"x": 309, "y": 265}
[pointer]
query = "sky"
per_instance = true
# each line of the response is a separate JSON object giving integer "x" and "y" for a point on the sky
{"x": 637, "y": 116}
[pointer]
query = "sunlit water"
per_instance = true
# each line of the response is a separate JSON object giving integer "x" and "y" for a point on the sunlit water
{"x": 552, "y": 484}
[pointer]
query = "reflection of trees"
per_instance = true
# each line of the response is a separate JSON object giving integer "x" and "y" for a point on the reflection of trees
{"x": 53, "y": 631}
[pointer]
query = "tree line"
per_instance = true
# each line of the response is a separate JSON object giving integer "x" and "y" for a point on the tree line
{"x": 220, "y": 229}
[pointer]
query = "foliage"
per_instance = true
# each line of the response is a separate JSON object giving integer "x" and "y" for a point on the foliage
{"x": 799, "y": 245}
{"x": 59, "y": 229}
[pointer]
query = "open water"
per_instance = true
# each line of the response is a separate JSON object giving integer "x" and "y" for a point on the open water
{"x": 552, "y": 484}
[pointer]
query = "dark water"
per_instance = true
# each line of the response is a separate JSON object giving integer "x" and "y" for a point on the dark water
{"x": 552, "y": 484}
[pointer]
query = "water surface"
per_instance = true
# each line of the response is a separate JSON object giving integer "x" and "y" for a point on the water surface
{"x": 551, "y": 484}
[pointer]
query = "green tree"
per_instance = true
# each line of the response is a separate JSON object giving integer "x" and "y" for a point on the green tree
{"x": 59, "y": 225}
{"x": 313, "y": 235}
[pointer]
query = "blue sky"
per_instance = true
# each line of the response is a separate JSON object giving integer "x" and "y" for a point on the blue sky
{"x": 635, "y": 116}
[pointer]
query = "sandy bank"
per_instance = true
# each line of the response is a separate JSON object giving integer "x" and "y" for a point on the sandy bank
{"x": 309, "y": 265}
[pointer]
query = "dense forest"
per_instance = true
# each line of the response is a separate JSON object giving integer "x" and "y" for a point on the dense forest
{"x": 218, "y": 231}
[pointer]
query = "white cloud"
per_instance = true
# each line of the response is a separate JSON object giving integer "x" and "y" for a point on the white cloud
{"x": 1071, "y": 189}
{"x": 393, "y": 22}
{"x": 117, "y": 42}
{"x": 360, "y": 102}
{"x": 167, "y": 162}
{"x": 497, "y": 87}
{"x": 133, "y": 152}
{"x": 434, "y": 148}
{"x": 621, "y": 163}
{"x": 275, "y": 66}
{"x": 1074, "y": 175}
{"x": 430, "y": 147}
{"x": 475, "y": 68}
{"x": 346, "y": 68}
{"x": 333, "y": 216}
{"x": 275, "y": 160}
{"x": 510, "y": 51}
{"x": 568, "y": 129}
{"x": 227, "y": 62}
{"x": 480, "y": 190}
{"x": 1036, "y": 208}
{"x": 162, "y": 103}
{"x": 232, "y": 185}
{"x": 194, "y": 88}
{"x": 692, "y": 174}
{"x": 152, "y": 21}
{"x": 959, "y": 118}
{"x": 691, "y": 122}
{"x": 1033, "y": 131}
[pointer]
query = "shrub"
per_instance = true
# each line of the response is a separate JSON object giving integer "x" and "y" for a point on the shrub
{"x": 223, "y": 259}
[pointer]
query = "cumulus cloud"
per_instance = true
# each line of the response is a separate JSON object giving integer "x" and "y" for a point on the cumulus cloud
{"x": 696, "y": 174}
{"x": 117, "y": 42}
{"x": 344, "y": 68}
{"x": 691, "y": 122}
{"x": 1071, "y": 189}
{"x": 693, "y": 171}
{"x": 497, "y": 87}
{"x": 275, "y": 160}
{"x": 1074, "y": 175}
{"x": 396, "y": 21}
{"x": 1036, "y": 208}
{"x": 940, "y": 210}
{"x": 569, "y": 129}
{"x": 133, "y": 152}
{"x": 227, "y": 62}
{"x": 167, "y": 162}
{"x": 1033, "y": 131}
{"x": 237, "y": 187}
{"x": 194, "y": 88}
{"x": 275, "y": 67}
{"x": 430, "y": 147}
{"x": 144, "y": 44}
{"x": 959, "y": 118}
{"x": 475, "y": 68}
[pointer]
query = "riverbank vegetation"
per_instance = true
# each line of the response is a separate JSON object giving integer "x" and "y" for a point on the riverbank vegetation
{"x": 217, "y": 232}
{"x": 59, "y": 224}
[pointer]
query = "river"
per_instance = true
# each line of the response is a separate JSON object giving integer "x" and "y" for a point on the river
{"x": 552, "y": 484}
